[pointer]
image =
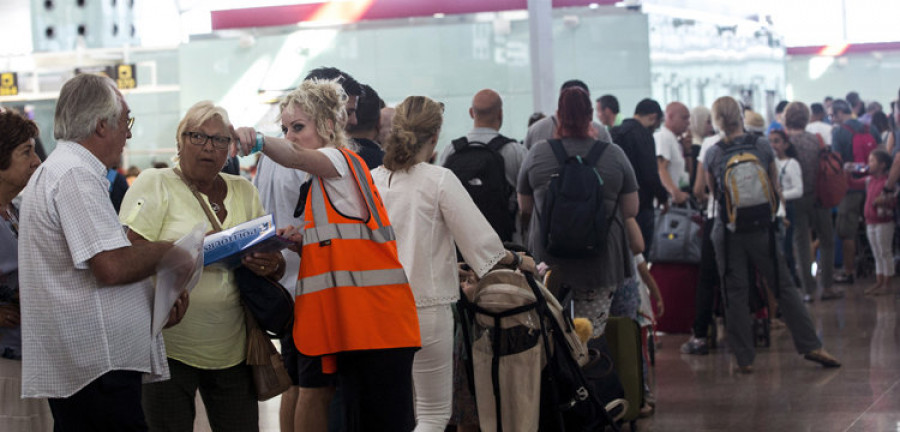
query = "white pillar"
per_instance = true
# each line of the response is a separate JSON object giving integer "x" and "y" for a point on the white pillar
{"x": 540, "y": 24}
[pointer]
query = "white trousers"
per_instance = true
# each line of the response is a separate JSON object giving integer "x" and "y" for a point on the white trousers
{"x": 881, "y": 240}
{"x": 433, "y": 369}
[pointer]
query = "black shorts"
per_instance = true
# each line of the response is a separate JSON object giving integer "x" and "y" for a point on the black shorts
{"x": 304, "y": 371}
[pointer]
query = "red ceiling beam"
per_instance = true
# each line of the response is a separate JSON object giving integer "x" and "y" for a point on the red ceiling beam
{"x": 369, "y": 10}
{"x": 838, "y": 50}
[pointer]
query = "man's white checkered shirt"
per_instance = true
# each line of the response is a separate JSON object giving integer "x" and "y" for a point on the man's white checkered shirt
{"x": 73, "y": 330}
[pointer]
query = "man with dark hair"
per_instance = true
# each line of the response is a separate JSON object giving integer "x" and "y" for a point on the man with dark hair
{"x": 778, "y": 122}
{"x": 608, "y": 110}
{"x": 544, "y": 128}
{"x": 367, "y": 128}
{"x": 635, "y": 137}
{"x": 352, "y": 87}
{"x": 857, "y": 107}
{"x": 828, "y": 113}
{"x": 817, "y": 125}
{"x": 847, "y": 223}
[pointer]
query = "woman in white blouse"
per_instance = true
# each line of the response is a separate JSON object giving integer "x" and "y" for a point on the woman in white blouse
{"x": 791, "y": 180}
{"x": 431, "y": 214}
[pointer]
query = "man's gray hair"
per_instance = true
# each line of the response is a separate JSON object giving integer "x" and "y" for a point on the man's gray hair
{"x": 83, "y": 101}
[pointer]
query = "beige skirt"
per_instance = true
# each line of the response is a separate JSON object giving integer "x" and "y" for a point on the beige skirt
{"x": 17, "y": 414}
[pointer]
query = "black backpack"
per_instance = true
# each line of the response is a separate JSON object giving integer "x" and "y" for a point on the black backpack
{"x": 574, "y": 222}
{"x": 481, "y": 170}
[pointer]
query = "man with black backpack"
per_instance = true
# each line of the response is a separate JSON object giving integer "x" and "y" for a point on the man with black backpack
{"x": 487, "y": 163}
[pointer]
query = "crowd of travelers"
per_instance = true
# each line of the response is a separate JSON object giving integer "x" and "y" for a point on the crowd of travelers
{"x": 387, "y": 232}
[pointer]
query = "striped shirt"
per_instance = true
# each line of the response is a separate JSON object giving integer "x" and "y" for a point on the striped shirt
{"x": 73, "y": 329}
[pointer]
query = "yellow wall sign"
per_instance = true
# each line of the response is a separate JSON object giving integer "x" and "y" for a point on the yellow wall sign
{"x": 125, "y": 76}
{"x": 9, "y": 84}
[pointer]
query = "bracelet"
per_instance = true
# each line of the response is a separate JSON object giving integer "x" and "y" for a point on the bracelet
{"x": 260, "y": 143}
{"x": 517, "y": 259}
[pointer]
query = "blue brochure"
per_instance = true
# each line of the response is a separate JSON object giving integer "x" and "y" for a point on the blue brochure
{"x": 227, "y": 247}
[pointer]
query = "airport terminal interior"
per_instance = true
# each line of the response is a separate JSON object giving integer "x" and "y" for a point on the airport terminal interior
{"x": 248, "y": 55}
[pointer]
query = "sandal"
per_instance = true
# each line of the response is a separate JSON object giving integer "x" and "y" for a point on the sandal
{"x": 822, "y": 357}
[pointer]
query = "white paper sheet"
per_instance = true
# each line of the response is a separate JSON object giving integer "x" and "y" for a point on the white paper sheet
{"x": 175, "y": 274}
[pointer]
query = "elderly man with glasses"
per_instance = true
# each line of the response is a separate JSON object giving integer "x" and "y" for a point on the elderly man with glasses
{"x": 85, "y": 294}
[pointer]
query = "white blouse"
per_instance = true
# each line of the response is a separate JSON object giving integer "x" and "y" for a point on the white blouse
{"x": 431, "y": 213}
{"x": 791, "y": 178}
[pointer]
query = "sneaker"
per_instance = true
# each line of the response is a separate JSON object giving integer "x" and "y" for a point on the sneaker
{"x": 823, "y": 358}
{"x": 695, "y": 346}
{"x": 807, "y": 298}
{"x": 843, "y": 278}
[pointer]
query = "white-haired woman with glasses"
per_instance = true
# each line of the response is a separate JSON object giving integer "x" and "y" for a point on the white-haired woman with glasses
{"x": 207, "y": 350}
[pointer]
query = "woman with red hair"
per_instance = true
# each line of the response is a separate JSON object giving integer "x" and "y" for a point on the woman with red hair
{"x": 591, "y": 279}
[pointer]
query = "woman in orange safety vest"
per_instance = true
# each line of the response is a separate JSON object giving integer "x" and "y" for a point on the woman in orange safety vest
{"x": 355, "y": 314}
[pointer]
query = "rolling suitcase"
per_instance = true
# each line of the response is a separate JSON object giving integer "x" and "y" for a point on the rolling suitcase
{"x": 678, "y": 286}
{"x": 623, "y": 336}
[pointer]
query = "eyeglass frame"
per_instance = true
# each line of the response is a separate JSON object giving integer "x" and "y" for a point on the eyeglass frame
{"x": 206, "y": 138}
{"x": 129, "y": 122}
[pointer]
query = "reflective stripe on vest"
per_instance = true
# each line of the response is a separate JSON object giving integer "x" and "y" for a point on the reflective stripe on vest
{"x": 311, "y": 284}
{"x": 354, "y": 231}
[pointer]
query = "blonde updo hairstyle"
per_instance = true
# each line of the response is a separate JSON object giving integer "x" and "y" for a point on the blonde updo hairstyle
{"x": 417, "y": 120}
{"x": 324, "y": 101}
{"x": 726, "y": 114}
{"x": 200, "y": 113}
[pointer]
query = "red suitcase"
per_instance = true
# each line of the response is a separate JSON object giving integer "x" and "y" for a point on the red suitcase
{"x": 678, "y": 285}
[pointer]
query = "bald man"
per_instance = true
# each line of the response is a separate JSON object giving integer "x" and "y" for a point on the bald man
{"x": 487, "y": 113}
{"x": 670, "y": 151}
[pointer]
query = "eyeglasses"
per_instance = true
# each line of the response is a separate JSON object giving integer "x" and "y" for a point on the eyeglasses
{"x": 200, "y": 139}
{"x": 130, "y": 123}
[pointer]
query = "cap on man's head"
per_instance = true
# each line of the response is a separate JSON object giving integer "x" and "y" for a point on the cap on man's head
{"x": 648, "y": 106}
{"x": 753, "y": 122}
{"x": 350, "y": 85}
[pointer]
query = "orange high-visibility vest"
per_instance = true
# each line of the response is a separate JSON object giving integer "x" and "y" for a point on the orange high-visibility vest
{"x": 352, "y": 292}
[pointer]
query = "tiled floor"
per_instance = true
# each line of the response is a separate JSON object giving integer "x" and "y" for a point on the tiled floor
{"x": 786, "y": 392}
